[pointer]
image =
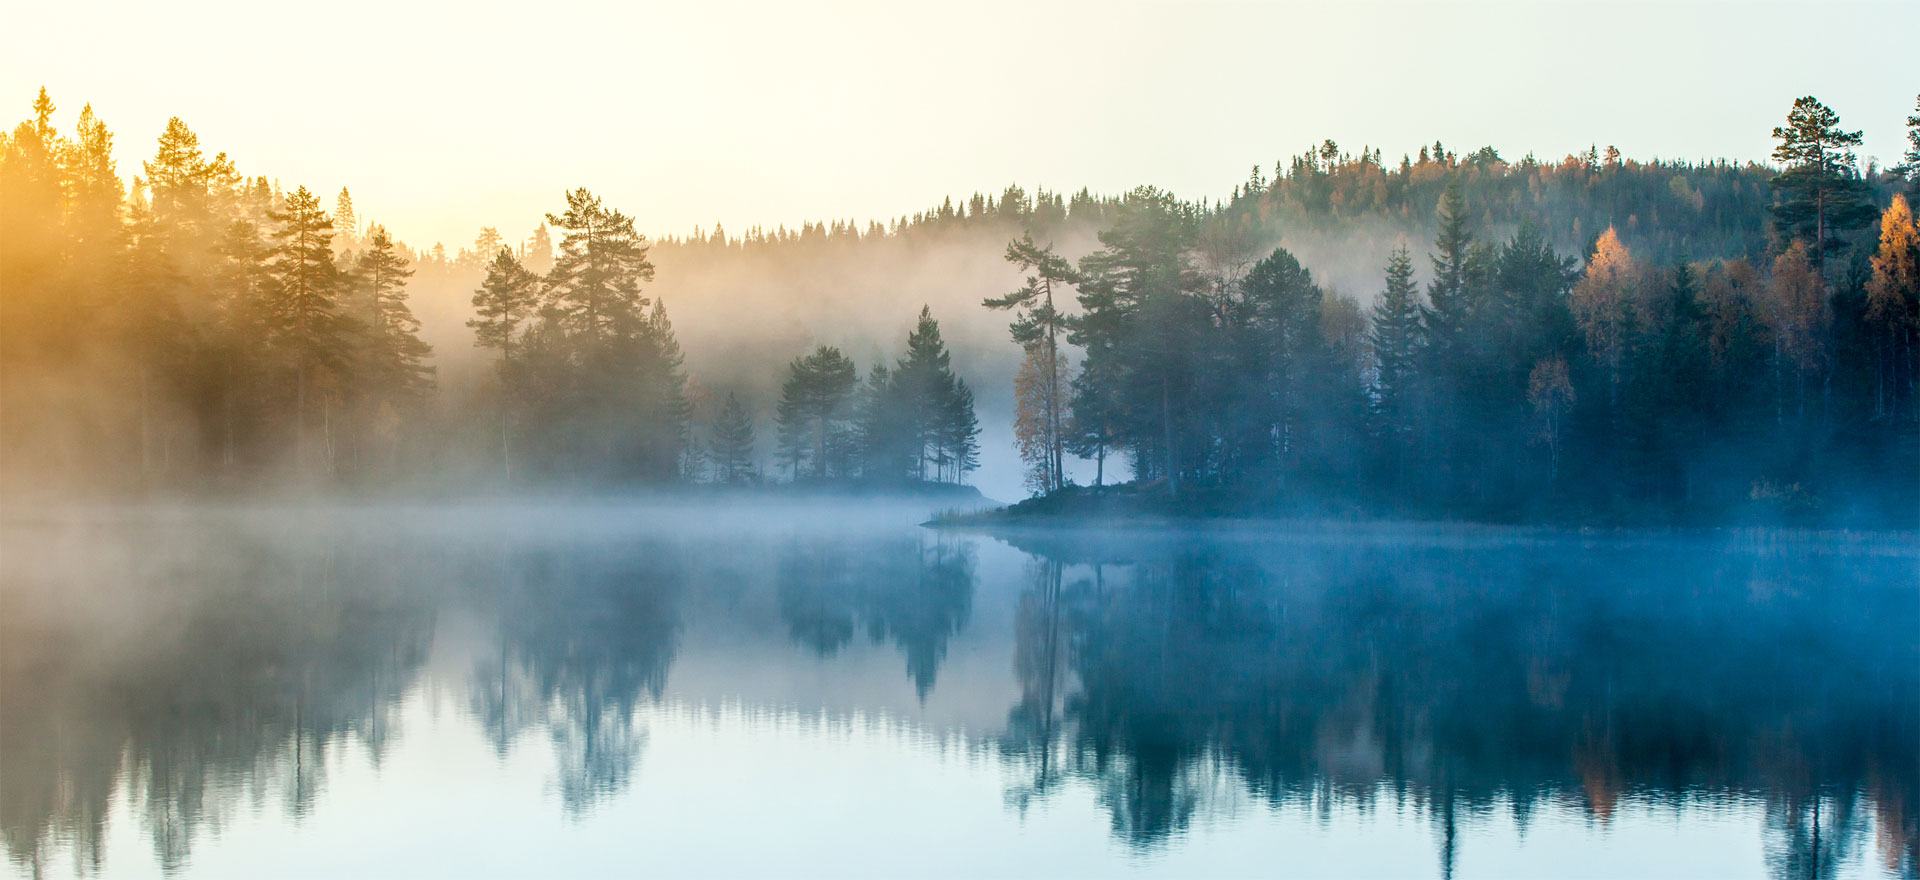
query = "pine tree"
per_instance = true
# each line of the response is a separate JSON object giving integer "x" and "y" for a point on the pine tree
{"x": 184, "y": 188}
{"x": 1141, "y": 325}
{"x": 94, "y": 194}
{"x": 303, "y": 319}
{"x": 626, "y": 410}
{"x": 595, "y": 283}
{"x": 1040, "y": 323}
{"x": 1913, "y": 153}
{"x": 732, "y": 441}
{"x": 1822, "y": 197}
{"x": 815, "y": 405}
{"x": 34, "y": 325}
{"x": 486, "y": 244}
{"x": 506, "y": 300}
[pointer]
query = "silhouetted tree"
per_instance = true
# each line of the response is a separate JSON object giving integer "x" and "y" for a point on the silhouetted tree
{"x": 815, "y": 406}
{"x": 732, "y": 441}
{"x": 1821, "y": 195}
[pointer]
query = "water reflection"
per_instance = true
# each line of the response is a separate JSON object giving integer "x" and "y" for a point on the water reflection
{"x": 910, "y": 591}
{"x": 1461, "y": 679}
{"x": 199, "y": 693}
{"x": 196, "y": 669}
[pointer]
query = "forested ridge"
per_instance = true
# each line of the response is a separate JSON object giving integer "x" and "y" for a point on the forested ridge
{"x": 1452, "y": 334}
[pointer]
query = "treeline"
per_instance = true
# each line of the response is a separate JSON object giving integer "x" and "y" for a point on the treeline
{"x": 1583, "y": 337}
{"x": 1523, "y": 384}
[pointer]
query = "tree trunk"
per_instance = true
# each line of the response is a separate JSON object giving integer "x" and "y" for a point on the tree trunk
{"x": 300, "y": 416}
{"x": 506, "y": 447}
{"x": 820, "y": 448}
{"x": 146, "y": 431}
{"x": 1166, "y": 421}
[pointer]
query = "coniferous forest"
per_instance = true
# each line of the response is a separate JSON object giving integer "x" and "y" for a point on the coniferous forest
{"x": 1457, "y": 335}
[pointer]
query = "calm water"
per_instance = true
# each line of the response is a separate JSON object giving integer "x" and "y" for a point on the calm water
{"x": 596, "y": 690}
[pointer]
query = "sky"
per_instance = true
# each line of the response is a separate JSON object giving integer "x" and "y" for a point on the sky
{"x": 445, "y": 117}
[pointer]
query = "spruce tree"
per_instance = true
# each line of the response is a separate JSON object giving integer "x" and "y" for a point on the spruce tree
{"x": 884, "y": 436}
{"x": 925, "y": 377}
{"x": 1448, "y": 296}
{"x": 393, "y": 374}
{"x": 1289, "y": 361}
{"x": 732, "y": 441}
{"x": 1395, "y": 337}
{"x": 537, "y": 252}
{"x": 396, "y": 369}
{"x": 239, "y": 336}
{"x": 959, "y": 429}
{"x": 344, "y": 219}
{"x": 665, "y": 409}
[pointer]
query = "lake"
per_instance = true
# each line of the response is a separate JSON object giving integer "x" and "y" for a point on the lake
{"x": 601, "y": 688}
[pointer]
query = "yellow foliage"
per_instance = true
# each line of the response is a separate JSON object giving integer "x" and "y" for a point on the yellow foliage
{"x": 1031, "y": 435}
{"x": 1797, "y": 307}
{"x": 1894, "y": 292}
{"x": 1600, "y": 300}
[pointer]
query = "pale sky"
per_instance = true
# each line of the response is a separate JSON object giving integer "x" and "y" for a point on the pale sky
{"x": 444, "y": 117}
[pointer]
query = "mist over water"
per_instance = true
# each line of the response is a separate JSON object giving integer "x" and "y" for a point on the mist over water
{"x": 707, "y": 688}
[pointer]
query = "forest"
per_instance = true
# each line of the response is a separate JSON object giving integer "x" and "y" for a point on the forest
{"x": 1592, "y": 339}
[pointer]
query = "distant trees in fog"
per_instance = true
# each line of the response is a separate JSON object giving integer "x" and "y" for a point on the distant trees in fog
{"x": 195, "y": 324}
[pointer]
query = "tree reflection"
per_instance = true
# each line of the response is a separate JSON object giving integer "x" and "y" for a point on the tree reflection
{"x": 1466, "y": 679}
{"x": 215, "y": 687}
{"x": 586, "y": 633}
{"x": 1173, "y": 679}
{"x": 914, "y": 591}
